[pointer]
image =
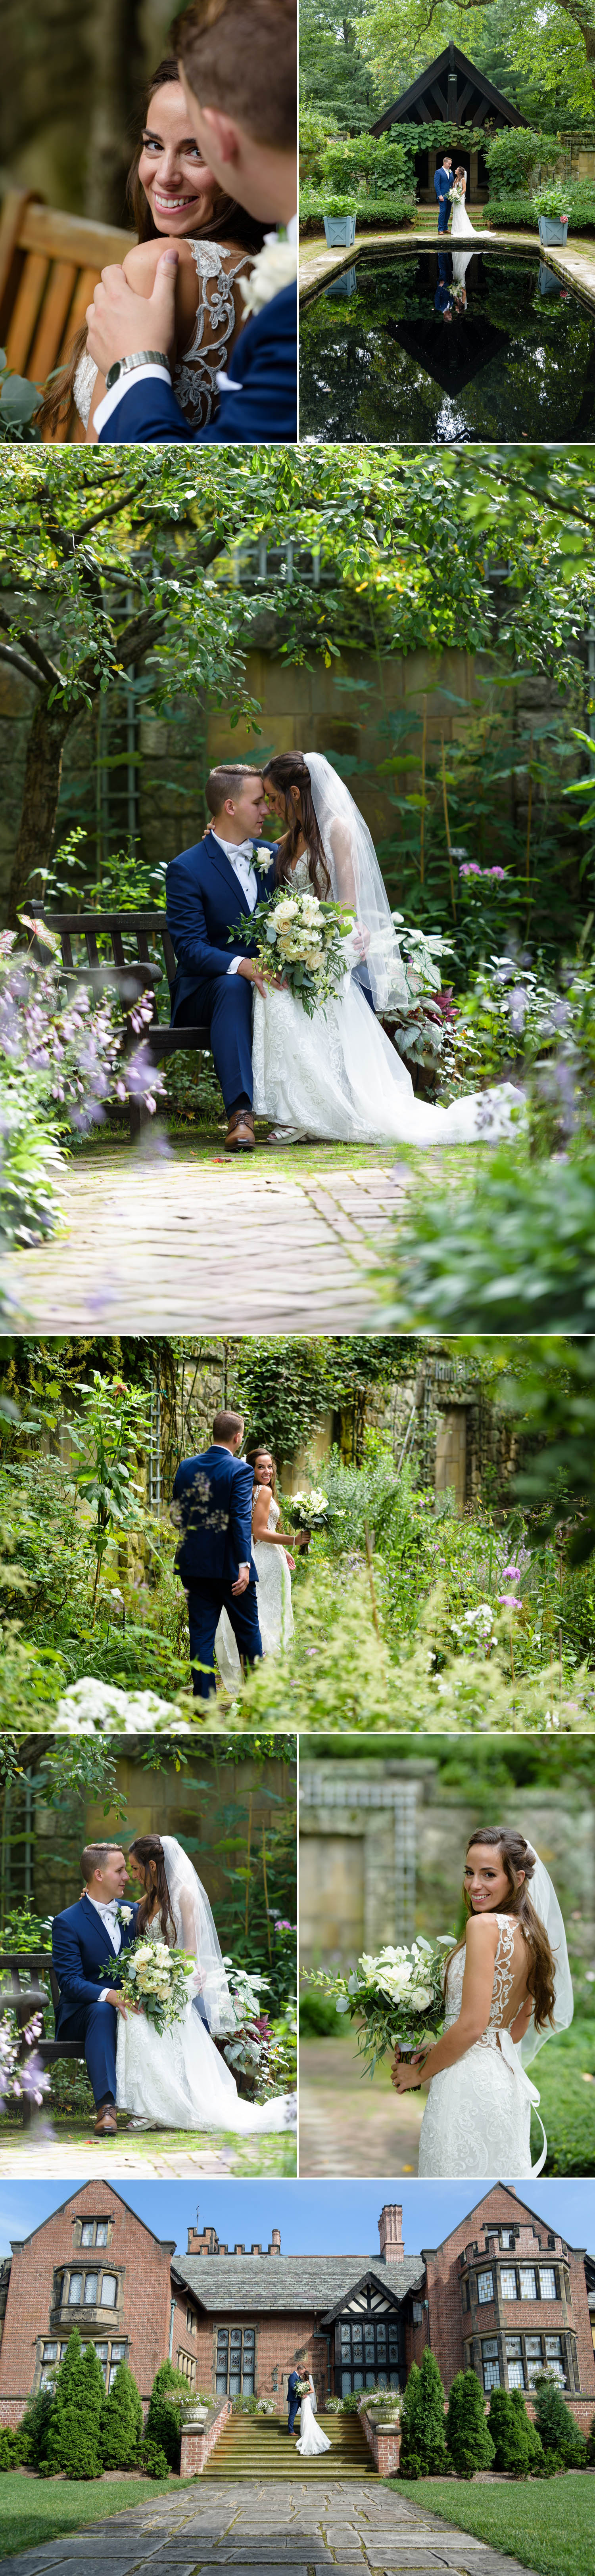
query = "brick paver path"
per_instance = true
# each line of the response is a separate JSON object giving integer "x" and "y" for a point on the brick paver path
{"x": 172, "y": 1245}
{"x": 346, "y": 2530}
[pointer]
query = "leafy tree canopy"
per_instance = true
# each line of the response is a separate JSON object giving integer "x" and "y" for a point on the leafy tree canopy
{"x": 541, "y": 56}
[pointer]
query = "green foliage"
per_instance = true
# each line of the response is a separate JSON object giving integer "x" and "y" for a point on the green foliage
{"x": 521, "y": 1243}
{"x": 121, "y": 2432}
{"x": 107, "y": 1437}
{"x": 35, "y": 2425}
{"x": 282, "y": 1387}
{"x": 337, "y": 86}
{"x": 423, "y": 2438}
{"x": 552, "y": 199}
{"x": 18, "y": 402}
{"x": 468, "y": 2441}
{"x": 168, "y": 2394}
{"x": 74, "y": 2439}
{"x": 509, "y": 2428}
{"x": 153, "y": 2460}
{"x": 511, "y": 157}
{"x": 555, "y": 2424}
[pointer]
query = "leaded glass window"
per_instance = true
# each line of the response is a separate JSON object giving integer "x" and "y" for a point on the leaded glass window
{"x": 528, "y": 2281}
{"x": 547, "y": 2281}
{"x": 485, "y": 2288}
{"x": 508, "y": 2285}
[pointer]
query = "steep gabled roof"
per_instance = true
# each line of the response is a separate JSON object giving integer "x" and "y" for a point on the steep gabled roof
{"x": 167, "y": 2244}
{"x": 287, "y": 2284}
{"x": 427, "y": 96}
{"x": 516, "y": 2204}
{"x": 376, "y": 2283}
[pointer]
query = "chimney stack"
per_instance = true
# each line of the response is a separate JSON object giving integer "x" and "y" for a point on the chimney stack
{"x": 275, "y": 2244}
{"x": 390, "y": 2229}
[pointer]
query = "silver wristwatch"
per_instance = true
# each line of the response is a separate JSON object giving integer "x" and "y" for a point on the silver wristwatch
{"x": 142, "y": 358}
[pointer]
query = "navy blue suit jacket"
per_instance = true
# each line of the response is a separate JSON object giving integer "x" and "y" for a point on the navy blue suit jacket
{"x": 204, "y": 898}
{"x": 214, "y": 1496}
{"x": 84, "y": 1957}
{"x": 259, "y": 402}
{"x": 443, "y": 182}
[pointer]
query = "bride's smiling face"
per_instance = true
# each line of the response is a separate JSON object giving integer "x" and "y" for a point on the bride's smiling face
{"x": 263, "y": 1468}
{"x": 486, "y": 1882}
{"x": 182, "y": 192}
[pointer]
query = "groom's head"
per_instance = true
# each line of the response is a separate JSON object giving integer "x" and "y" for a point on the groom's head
{"x": 237, "y": 802}
{"x": 228, "y": 1431}
{"x": 237, "y": 65}
{"x": 447, "y": 160}
{"x": 104, "y": 1873}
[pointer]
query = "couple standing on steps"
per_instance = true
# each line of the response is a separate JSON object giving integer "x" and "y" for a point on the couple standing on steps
{"x": 312, "y": 2441}
{"x": 334, "y": 1076}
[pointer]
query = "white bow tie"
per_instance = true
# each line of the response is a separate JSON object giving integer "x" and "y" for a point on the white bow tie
{"x": 238, "y": 849}
{"x": 110, "y": 1910}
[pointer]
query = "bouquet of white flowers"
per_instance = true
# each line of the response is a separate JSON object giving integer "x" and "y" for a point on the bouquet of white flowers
{"x": 304, "y": 940}
{"x": 307, "y": 1511}
{"x": 397, "y": 1998}
{"x": 158, "y": 1979}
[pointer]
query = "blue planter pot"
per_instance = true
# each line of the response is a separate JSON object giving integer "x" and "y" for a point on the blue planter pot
{"x": 344, "y": 285}
{"x": 339, "y": 231}
{"x": 552, "y": 228}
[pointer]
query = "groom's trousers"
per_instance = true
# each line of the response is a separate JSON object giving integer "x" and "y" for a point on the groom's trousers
{"x": 96, "y": 2027}
{"x": 206, "y": 1599}
{"x": 224, "y": 1002}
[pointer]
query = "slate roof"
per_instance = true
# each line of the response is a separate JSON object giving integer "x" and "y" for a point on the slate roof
{"x": 281, "y": 2283}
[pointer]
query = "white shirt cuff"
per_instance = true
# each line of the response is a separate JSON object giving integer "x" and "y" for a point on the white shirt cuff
{"x": 138, "y": 376}
{"x": 236, "y": 961}
{"x": 104, "y": 1994}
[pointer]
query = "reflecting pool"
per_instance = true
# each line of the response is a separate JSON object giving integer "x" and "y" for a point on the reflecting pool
{"x": 440, "y": 344}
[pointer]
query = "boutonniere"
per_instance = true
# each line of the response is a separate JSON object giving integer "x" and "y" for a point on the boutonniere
{"x": 125, "y": 1913}
{"x": 263, "y": 853}
{"x": 275, "y": 267}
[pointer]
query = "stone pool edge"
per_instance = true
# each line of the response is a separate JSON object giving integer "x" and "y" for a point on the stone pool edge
{"x": 568, "y": 264}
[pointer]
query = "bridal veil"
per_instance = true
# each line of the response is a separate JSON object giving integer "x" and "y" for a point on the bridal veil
{"x": 356, "y": 879}
{"x": 544, "y": 1899}
{"x": 195, "y": 1931}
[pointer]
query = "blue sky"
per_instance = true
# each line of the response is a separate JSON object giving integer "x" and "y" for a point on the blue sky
{"x": 314, "y": 2217}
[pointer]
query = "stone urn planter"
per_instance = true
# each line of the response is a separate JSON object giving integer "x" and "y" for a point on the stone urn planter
{"x": 553, "y": 228}
{"x": 194, "y": 2418}
{"x": 339, "y": 231}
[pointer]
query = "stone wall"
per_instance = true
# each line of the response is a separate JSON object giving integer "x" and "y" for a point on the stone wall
{"x": 162, "y": 1802}
{"x": 72, "y": 79}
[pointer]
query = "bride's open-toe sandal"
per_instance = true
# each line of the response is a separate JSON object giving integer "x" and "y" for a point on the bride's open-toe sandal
{"x": 284, "y": 1136}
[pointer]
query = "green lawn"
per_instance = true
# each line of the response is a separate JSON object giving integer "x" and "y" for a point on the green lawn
{"x": 32, "y": 2512}
{"x": 548, "y": 2524}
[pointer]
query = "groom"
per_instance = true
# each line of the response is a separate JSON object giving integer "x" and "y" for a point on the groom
{"x": 208, "y": 889}
{"x": 443, "y": 183}
{"x": 292, "y": 2399}
{"x": 212, "y": 1501}
{"x": 86, "y": 1944}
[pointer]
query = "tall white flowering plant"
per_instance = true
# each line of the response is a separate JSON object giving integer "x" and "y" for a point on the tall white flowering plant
{"x": 396, "y": 1998}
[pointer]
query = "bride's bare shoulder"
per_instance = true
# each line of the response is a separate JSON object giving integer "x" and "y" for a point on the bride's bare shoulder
{"x": 479, "y": 1927}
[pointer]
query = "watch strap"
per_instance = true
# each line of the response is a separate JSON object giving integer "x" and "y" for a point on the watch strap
{"x": 141, "y": 358}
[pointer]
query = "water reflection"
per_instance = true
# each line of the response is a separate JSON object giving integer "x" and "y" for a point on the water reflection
{"x": 448, "y": 344}
{"x": 344, "y": 285}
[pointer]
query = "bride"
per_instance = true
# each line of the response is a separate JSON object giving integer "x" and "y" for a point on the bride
{"x": 505, "y": 1982}
{"x": 337, "y": 1075}
{"x": 179, "y": 2080}
{"x": 460, "y": 228}
{"x": 312, "y": 2441}
{"x": 274, "y": 1568}
{"x": 173, "y": 197}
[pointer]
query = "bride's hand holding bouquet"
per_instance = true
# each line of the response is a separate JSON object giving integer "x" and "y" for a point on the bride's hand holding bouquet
{"x": 302, "y": 942}
{"x": 396, "y": 1998}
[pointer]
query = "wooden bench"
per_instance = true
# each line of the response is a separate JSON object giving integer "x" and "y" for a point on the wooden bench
{"x": 129, "y": 975}
{"x": 20, "y": 1992}
{"x": 49, "y": 266}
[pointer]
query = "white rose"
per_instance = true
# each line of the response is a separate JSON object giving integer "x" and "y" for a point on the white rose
{"x": 275, "y": 267}
{"x": 422, "y": 1998}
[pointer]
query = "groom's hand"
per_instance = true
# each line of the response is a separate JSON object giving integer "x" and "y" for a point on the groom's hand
{"x": 254, "y": 975}
{"x": 242, "y": 1579}
{"x": 120, "y": 322}
{"x": 113, "y": 1997}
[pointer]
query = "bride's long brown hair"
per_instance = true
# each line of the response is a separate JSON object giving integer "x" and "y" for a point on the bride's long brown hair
{"x": 516, "y": 1855}
{"x": 287, "y": 770}
{"x": 147, "y": 1847}
{"x": 233, "y": 222}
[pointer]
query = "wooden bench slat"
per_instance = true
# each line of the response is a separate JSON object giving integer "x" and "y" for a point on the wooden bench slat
{"x": 52, "y": 320}
{"x": 23, "y": 320}
{"x": 73, "y": 237}
{"x": 92, "y": 948}
{"x": 11, "y": 220}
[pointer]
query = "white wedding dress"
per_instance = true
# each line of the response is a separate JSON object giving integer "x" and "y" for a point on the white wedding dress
{"x": 195, "y": 372}
{"x": 312, "y": 2441}
{"x": 477, "y": 2118}
{"x": 275, "y": 1614}
{"x": 178, "y": 2080}
{"x": 461, "y": 227}
{"x": 338, "y": 1076}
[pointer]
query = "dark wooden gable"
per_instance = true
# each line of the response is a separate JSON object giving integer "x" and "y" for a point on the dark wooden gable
{"x": 453, "y": 89}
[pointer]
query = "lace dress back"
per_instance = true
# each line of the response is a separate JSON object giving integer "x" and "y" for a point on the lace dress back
{"x": 477, "y": 2119}
{"x": 197, "y": 367}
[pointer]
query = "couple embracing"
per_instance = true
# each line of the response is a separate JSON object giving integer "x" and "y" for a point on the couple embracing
{"x": 176, "y": 2079}
{"x": 225, "y": 1508}
{"x": 334, "y": 1075}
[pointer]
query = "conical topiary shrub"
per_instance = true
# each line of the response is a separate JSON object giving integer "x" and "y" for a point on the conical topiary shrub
{"x": 508, "y": 2426}
{"x": 169, "y": 2392}
{"x": 121, "y": 2422}
{"x": 423, "y": 2441}
{"x": 468, "y": 2441}
{"x": 555, "y": 2424}
{"x": 534, "y": 2445}
{"x": 74, "y": 2435}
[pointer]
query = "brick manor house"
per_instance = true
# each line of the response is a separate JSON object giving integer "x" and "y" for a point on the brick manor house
{"x": 504, "y": 2294}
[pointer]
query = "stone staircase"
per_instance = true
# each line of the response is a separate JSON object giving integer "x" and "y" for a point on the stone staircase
{"x": 257, "y": 2446}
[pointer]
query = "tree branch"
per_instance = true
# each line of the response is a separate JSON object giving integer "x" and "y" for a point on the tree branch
{"x": 35, "y": 651}
{"x": 8, "y": 653}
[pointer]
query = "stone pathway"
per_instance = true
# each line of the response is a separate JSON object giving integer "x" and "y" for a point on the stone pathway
{"x": 164, "y": 1244}
{"x": 347, "y": 2531}
{"x": 24, "y": 2162}
{"x": 575, "y": 265}
{"x": 349, "y": 2125}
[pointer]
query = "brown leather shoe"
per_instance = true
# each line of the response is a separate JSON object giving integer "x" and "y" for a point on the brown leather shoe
{"x": 106, "y": 2125}
{"x": 240, "y": 1138}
